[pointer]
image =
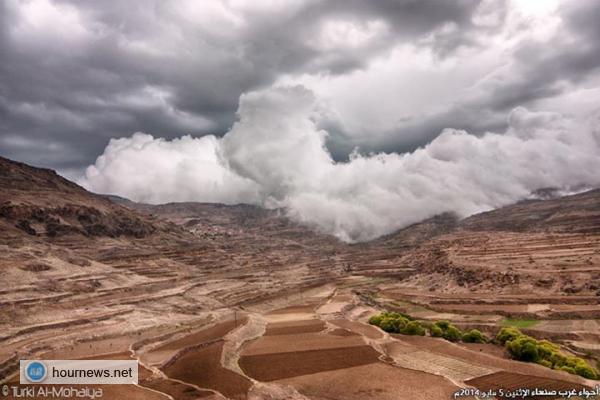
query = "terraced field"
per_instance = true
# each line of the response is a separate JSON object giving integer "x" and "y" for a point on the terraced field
{"x": 240, "y": 302}
{"x": 322, "y": 362}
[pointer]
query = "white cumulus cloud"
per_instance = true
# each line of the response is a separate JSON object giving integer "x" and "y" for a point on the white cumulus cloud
{"x": 154, "y": 170}
{"x": 275, "y": 156}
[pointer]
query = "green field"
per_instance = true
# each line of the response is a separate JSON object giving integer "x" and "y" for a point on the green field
{"x": 520, "y": 323}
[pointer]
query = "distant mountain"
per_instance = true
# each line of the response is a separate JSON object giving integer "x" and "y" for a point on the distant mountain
{"x": 511, "y": 248}
{"x": 534, "y": 246}
{"x": 579, "y": 213}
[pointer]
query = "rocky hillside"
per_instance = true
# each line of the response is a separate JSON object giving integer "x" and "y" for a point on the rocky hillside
{"x": 546, "y": 246}
{"x": 537, "y": 246}
{"x": 578, "y": 213}
{"x": 41, "y": 203}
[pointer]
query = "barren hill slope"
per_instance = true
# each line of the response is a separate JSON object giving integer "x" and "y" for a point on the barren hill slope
{"x": 579, "y": 213}
{"x": 40, "y": 202}
{"x": 543, "y": 246}
{"x": 546, "y": 246}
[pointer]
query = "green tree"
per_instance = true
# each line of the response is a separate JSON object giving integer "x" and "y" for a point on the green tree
{"x": 452, "y": 334}
{"x": 443, "y": 324}
{"x": 507, "y": 334}
{"x": 545, "y": 363}
{"x": 413, "y": 328}
{"x": 586, "y": 371}
{"x": 524, "y": 348}
{"x": 435, "y": 331}
{"x": 474, "y": 336}
{"x": 376, "y": 319}
{"x": 389, "y": 325}
{"x": 567, "y": 369}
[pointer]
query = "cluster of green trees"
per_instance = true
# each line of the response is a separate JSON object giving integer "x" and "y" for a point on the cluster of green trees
{"x": 474, "y": 336}
{"x": 395, "y": 322}
{"x": 525, "y": 348}
{"x": 519, "y": 346}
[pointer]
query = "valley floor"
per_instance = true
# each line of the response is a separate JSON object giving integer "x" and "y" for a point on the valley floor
{"x": 310, "y": 344}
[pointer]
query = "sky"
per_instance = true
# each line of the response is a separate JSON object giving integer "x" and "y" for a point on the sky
{"x": 357, "y": 117}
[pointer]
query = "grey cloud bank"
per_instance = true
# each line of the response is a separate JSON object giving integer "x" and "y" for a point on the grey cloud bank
{"x": 275, "y": 156}
{"x": 75, "y": 74}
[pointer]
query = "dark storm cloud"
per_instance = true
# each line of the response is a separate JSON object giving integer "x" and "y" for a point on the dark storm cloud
{"x": 412, "y": 133}
{"x": 107, "y": 69}
{"x": 548, "y": 68}
{"x": 545, "y": 69}
{"x": 148, "y": 66}
{"x": 535, "y": 70}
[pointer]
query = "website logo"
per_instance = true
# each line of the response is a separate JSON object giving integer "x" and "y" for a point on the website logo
{"x": 77, "y": 372}
{"x": 36, "y": 371}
